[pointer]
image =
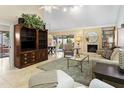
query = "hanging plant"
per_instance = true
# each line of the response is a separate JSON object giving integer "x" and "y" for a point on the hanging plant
{"x": 33, "y": 21}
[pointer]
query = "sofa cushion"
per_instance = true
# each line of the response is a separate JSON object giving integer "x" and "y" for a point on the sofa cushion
{"x": 115, "y": 54}
{"x": 44, "y": 80}
{"x": 50, "y": 79}
{"x": 106, "y": 61}
{"x": 68, "y": 47}
{"x": 96, "y": 83}
{"x": 64, "y": 80}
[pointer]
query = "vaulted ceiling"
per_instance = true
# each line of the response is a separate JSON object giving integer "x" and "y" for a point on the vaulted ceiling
{"x": 10, "y": 13}
{"x": 56, "y": 20}
{"x": 85, "y": 16}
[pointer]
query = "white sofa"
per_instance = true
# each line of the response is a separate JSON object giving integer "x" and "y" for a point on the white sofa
{"x": 47, "y": 79}
{"x": 96, "y": 83}
{"x": 65, "y": 81}
{"x": 114, "y": 59}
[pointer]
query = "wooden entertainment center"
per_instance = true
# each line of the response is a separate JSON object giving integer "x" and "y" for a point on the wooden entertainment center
{"x": 30, "y": 46}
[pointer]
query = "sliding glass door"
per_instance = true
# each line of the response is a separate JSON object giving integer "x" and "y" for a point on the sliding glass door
{"x": 4, "y": 44}
{"x": 1, "y": 43}
{"x": 4, "y": 51}
{"x": 62, "y": 40}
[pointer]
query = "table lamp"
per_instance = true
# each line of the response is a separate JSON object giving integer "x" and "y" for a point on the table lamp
{"x": 78, "y": 39}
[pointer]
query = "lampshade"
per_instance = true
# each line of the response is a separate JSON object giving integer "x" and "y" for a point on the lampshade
{"x": 78, "y": 38}
{"x": 50, "y": 36}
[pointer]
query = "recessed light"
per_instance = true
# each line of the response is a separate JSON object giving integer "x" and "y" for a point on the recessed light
{"x": 74, "y": 8}
{"x": 64, "y": 9}
{"x": 80, "y": 6}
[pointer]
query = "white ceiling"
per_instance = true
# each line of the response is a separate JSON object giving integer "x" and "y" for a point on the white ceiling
{"x": 10, "y": 13}
{"x": 85, "y": 16}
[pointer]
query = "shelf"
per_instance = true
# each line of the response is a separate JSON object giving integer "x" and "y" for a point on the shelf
{"x": 106, "y": 34}
{"x": 28, "y": 36}
{"x": 27, "y": 41}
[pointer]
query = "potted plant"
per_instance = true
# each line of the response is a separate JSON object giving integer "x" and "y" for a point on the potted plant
{"x": 7, "y": 34}
{"x": 33, "y": 21}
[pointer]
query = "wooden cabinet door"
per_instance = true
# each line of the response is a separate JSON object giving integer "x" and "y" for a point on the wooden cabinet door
{"x": 42, "y": 55}
{"x": 45, "y": 54}
{"x": 40, "y": 58}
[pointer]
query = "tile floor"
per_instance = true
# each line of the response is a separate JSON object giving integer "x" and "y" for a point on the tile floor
{"x": 18, "y": 78}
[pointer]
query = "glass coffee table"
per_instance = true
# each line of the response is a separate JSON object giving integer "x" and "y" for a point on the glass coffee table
{"x": 80, "y": 59}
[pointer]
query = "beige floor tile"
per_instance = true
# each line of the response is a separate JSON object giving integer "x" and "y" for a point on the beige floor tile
{"x": 4, "y": 84}
{"x": 18, "y": 78}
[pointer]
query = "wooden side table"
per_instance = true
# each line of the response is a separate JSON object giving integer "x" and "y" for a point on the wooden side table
{"x": 108, "y": 72}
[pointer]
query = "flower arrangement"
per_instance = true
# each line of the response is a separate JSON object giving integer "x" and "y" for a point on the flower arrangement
{"x": 33, "y": 21}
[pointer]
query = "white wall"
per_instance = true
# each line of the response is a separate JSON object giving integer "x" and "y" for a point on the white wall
{"x": 11, "y": 45}
{"x": 12, "y": 12}
{"x": 8, "y": 18}
{"x": 5, "y": 25}
{"x": 120, "y": 19}
{"x": 4, "y": 28}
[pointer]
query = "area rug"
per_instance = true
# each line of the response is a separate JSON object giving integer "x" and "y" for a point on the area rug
{"x": 74, "y": 70}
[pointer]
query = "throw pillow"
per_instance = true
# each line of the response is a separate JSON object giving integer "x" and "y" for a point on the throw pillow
{"x": 107, "y": 53}
{"x": 115, "y": 54}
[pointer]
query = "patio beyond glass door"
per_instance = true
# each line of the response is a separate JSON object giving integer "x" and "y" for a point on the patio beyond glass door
{"x": 62, "y": 40}
{"x": 4, "y": 45}
{"x": 4, "y": 52}
{"x": 1, "y": 37}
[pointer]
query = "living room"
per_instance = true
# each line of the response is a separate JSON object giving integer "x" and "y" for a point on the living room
{"x": 75, "y": 46}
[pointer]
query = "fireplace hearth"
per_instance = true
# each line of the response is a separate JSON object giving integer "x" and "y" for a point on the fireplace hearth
{"x": 92, "y": 48}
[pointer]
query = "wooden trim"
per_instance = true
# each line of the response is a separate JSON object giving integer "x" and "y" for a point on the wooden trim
{"x": 117, "y": 37}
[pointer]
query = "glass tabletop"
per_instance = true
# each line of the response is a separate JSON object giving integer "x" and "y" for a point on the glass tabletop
{"x": 82, "y": 57}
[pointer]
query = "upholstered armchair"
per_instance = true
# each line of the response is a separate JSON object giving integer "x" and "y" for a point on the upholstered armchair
{"x": 68, "y": 49}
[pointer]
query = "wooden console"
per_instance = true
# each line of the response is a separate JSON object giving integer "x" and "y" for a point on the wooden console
{"x": 30, "y": 46}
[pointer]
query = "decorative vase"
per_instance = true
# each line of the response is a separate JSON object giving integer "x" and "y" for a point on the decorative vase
{"x": 44, "y": 26}
{"x": 21, "y": 20}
